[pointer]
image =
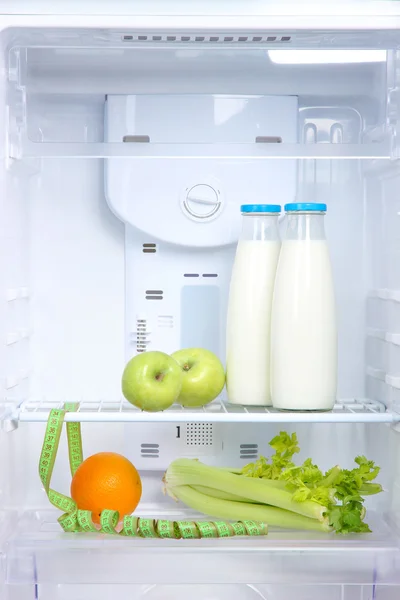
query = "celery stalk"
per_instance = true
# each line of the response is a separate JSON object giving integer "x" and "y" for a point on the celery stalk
{"x": 242, "y": 511}
{"x": 231, "y": 470}
{"x": 277, "y": 483}
{"x": 226, "y": 496}
{"x": 191, "y": 472}
{"x": 208, "y": 491}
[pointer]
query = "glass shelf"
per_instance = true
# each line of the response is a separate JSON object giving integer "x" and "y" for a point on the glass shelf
{"x": 38, "y": 552}
{"x": 199, "y": 151}
{"x": 218, "y": 8}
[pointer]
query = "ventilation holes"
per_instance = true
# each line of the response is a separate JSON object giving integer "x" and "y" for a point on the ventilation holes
{"x": 199, "y": 434}
{"x": 154, "y": 294}
{"x": 191, "y": 275}
{"x": 149, "y": 450}
{"x": 165, "y": 321}
{"x": 210, "y": 275}
{"x": 141, "y": 335}
{"x": 248, "y": 451}
{"x": 149, "y": 248}
{"x": 203, "y": 38}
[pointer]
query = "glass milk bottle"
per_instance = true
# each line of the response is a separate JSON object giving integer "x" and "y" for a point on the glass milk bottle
{"x": 304, "y": 335}
{"x": 249, "y": 310}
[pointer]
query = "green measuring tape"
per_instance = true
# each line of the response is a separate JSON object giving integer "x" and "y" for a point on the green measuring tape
{"x": 75, "y": 520}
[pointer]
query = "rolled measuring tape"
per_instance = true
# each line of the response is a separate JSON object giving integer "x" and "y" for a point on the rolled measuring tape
{"x": 80, "y": 521}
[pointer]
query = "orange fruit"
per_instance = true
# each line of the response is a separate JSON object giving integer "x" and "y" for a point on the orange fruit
{"x": 106, "y": 481}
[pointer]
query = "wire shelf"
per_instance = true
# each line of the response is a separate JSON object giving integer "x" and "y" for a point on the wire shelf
{"x": 345, "y": 411}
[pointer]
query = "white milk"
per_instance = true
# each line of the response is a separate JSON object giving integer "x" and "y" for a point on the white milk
{"x": 249, "y": 322}
{"x": 304, "y": 337}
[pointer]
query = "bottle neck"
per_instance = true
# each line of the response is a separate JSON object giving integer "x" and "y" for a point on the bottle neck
{"x": 305, "y": 226}
{"x": 260, "y": 227}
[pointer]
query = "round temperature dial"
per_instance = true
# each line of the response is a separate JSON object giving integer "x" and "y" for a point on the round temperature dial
{"x": 201, "y": 202}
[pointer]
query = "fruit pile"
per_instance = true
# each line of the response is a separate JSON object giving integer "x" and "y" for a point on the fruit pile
{"x": 153, "y": 381}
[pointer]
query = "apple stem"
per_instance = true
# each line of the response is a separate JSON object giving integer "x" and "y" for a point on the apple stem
{"x": 160, "y": 376}
{"x": 186, "y": 367}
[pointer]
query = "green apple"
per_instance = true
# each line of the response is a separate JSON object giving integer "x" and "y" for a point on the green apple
{"x": 203, "y": 376}
{"x": 152, "y": 381}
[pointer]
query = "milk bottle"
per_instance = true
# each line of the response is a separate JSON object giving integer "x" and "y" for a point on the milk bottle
{"x": 304, "y": 336}
{"x": 250, "y": 302}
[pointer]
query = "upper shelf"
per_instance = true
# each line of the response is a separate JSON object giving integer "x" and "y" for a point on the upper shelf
{"x": 202, "y": 151}
{"x": 345, "y": 411}
{"x": 175, "y": 16}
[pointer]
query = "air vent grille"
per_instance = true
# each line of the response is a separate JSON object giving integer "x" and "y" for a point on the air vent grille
{"x": 248, "y": 451}
{"x": 149, "y": 450}
{"x": 154, "y": 294}
{"x": 198, "y": 38}
{"x": 149, "y": 248}
{"x": 199, "y": 434}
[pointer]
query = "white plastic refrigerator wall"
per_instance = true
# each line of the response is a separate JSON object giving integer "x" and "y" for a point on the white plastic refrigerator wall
{"x": 129, "y": 143}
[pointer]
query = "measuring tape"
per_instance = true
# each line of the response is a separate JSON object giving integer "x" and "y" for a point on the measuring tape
{"x": 75, "y": 520}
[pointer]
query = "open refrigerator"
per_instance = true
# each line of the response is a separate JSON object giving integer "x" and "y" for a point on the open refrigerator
{"x": 132, "y": 133}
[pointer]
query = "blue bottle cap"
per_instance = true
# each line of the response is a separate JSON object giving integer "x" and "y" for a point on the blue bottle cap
{"x": 260, "y": 208}
{"x": 305, "y": 207}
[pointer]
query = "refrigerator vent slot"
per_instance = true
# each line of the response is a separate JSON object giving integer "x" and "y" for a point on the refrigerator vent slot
{"x": 249, "y": 451}
{"x": 141, "y": 335}
{"x": 149, "y": 248}
{"x": 268, "y": 139}
{"x": 150, "y": 450}
{"x": 205, "y": 38}
{"x": 165, "y": 321}
{"x": 199, "y": 434}
{"x": 136, "y": 139}
{"x": 210, "y": 274}
{"x": 191, "y": 275}
{"x": 154, "y": 294}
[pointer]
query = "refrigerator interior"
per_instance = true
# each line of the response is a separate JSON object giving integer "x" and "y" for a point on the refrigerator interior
{"x": 216, "y": 9}
{"x": 105, "y": 251}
